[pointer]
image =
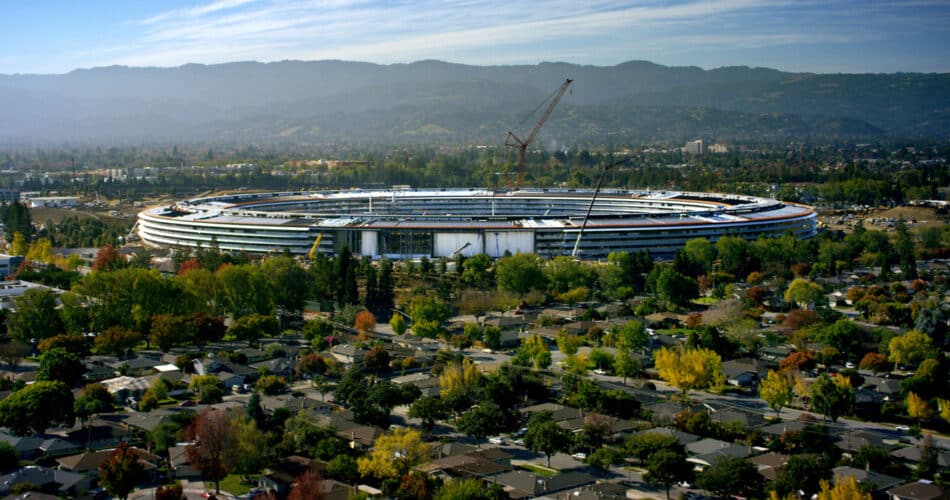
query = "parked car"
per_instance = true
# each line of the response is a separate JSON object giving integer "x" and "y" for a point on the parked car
{"x": 579, "y": 456}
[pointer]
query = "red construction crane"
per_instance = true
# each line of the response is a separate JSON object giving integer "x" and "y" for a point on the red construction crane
{"x": 513, "y": 141}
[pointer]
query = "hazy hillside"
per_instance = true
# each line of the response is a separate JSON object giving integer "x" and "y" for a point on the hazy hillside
{"x": 437, "y": 102}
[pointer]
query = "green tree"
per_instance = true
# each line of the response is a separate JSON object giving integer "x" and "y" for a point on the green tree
{"x": 644, "y": 444}
{"x": 60, "y": 365}
{"x": 121, "y": 472}
{"x": 116, "y": 340}
{"x": 545, "y": 436}
{"x": 245, "y": 290}
{"x": 429, "y": 409}
{"x": 804, "y": 293}
{"x": 289, "y": 282}
{"x": 520, "y": 273}
{"x": 35, "y": 407}
{"x": 93, "y": 400}
{"x": 468, "y": 489}
{"x": 674, "y": 287}
{"x": 534, "y": 350}
{"x": 904, "y": 247}
{"x": 832, "y": 397}
{"x": 35, "y": 316}
{"x": 250, "y": 453}
{"x": 625, "y": 365}
{"x": 631, "y": 336}
{"x": 8, "y": 457}
{"x": 208, "y": 387}
{"x": 734, "y": 255}
{"x": 482, "y": 421}
{"x": 910, "y": 348}
{"x": 271, "y": 384}
{"x": 801, "y": 472}
{"x": 700, "y": 253}
{"x": 398, "y": 324}
{"x": 666, "y": 468}
{"x": 731, "y": 476}
{"x": 777, "y": 390}
{"x": 252, "y": 328}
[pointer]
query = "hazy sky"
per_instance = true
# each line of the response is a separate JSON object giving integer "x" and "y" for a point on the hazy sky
{"x": 39, "y": 36}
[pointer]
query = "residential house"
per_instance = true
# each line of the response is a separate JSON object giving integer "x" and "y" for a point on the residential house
{"x": 920, "y": 490}
{"x": 88, "y": 462}
{"x": 180, "y": 463}
{"x": 521, "y": 484}
{"x": 26, "y": 447}
{"x": 911, "y": 456}
{"x": 879, "y": 483}
{"x": 427, "y": 384}
{"x": 282, "y": 475}
{"x": 348, "y": 354}
{"x": 769, "y": 465}
{"x": 63, "y": 482}
{"x": 706, "y": 451}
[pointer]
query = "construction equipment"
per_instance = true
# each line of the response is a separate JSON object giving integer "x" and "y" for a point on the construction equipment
{"x": 600, "y": 182}
{"x": 513, "y": 141}
{"x": 312, "y": 254}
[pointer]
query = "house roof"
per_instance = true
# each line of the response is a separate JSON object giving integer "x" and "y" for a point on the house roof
{"x": 913, "y": 454}
{"x": 769, "y": 464}
{"x": 40, "y": 476}
{"x": 178, "y": 456}
{"x": 779, "y": 428}
{"x": 708, "y": 450}
{"x": 921, "y": 490}
{"x": 684, "y": 438}
{"x": 88, "y": 461}
{"x": 879, "y": 481}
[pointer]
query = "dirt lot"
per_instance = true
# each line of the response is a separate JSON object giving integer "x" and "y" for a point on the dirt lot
{"x": 42, "y": 214}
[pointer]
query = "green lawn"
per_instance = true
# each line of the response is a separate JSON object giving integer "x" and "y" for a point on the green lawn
{"x": 539, "y": 470}
{"x": 232, "y": 484}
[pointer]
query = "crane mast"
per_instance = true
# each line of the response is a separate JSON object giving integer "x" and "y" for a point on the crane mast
{"x": 513, "y": 141}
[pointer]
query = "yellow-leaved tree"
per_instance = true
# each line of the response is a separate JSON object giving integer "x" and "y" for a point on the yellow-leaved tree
{"x": 845, "y": 488}
{"x": 944, "y": 406}
{"x": 18, "y": 246}
{"x": 394, "y": 454}
{"x": 460, "y": 376}
{"x": 687, "y": 368}
{"x": 918, "y": 407}
{"x": 776, "y": 389}
{"x": 40, "y": 250}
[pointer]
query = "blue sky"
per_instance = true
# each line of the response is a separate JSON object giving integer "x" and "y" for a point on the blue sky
{"x": 796, "y": 35}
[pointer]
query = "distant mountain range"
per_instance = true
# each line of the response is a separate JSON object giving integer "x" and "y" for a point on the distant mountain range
{"x": 433, "y": 102}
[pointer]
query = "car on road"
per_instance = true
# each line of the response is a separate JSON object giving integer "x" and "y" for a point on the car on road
{"x": 902, "y": 428}
{"x": 600, "y": 371}
{"x": 496, "y": 440}
{"x": 849, "y": 365}
{"x": 518, "y": 442}
{"x": 579, "y": 456}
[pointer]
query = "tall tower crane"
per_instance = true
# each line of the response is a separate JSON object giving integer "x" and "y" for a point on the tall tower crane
{"x": 513, "y": 141}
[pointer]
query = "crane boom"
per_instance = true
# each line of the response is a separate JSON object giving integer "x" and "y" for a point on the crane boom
{"x": 513, "y": 141}
{"x": 600, "y": 182}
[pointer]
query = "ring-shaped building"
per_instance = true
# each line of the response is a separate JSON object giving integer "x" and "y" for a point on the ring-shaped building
{"x": 412, "y": 223}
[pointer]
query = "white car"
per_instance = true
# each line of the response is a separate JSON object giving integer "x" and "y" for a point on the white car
{"x": 579, "y": 456}
{"x": 496, "y": 440}
{"x": 849, "y": 365}
{"x": 902, "y": 428}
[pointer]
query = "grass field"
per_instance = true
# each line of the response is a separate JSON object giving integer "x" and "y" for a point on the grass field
{"x": 232, "y": 484}
{"x": 539, "y": 470}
